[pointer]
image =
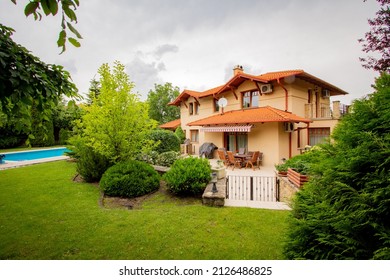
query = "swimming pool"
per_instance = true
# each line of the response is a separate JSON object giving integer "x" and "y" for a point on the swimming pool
{"x": 35, "y": 154}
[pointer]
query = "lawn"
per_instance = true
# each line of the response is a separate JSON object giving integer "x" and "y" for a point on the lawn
{"x": 45, "y": 215}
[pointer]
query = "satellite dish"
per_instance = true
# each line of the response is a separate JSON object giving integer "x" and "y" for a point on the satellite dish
{"x": 222, "y": 102}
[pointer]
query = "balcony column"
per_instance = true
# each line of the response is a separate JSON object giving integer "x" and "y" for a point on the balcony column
{"x": 336, "y": 110}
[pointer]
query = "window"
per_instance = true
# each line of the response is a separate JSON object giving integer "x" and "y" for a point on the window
{"x": 194, "y": 134}
{"x": 193, "y": 108}
{"x": 196, "y": 108}
{"x": 318, "y": 135}
{"x": 250, "y": 99}
{"x": 236, "y": 140}
{"x": 216, "y": 105}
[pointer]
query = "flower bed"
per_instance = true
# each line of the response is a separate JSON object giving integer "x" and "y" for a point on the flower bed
{"x": 296, "y": 178}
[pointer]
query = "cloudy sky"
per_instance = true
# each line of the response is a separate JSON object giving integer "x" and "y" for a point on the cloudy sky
{"x": 195, "y": 44}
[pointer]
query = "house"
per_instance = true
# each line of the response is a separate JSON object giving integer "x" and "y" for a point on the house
{"x": 276, "y": 113}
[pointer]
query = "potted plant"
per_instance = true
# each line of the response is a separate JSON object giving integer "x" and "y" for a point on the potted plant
{"x": 282, "y": 169}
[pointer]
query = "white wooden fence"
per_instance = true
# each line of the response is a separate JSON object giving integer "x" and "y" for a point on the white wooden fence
{"x": 252, "y": 188}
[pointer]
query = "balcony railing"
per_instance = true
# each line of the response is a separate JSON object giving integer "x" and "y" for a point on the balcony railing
{"x": 324, "y": 111}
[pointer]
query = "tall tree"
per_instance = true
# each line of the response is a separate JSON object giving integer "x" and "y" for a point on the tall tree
{"x": 343, "y": 212}
{"x": 377, "y": 40}
{"x": 94, "y": 91}
{"x": 67, "y": 10}
{"x": 158, "y": 100}
{"x": 117, "y": 126}
{"x": 24, "y": 78}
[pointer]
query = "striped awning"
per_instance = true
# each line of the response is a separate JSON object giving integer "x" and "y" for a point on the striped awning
{"x": 227, "y": 128}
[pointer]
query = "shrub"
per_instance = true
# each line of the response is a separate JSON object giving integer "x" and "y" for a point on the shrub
{"x": 130, "y": 179}
{"x": 63, "y": 136}
{"x": 9, "y": 142}
{"x": 168, "y": 140}
{"x": 188, "y": 176}
{"x": 90, "y": 164}
{"x": 150, "y": 157}
{"x": 180, "y": 134}
{"x": 167, "y": 158}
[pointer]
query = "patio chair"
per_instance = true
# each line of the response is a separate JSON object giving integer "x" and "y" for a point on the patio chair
{"x": 253, "y": 161}
{"x": 223, "y": 157}
{"x": 233, "y": 161}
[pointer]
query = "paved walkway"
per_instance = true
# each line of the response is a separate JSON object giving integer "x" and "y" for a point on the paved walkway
{"x": 15, "y": 164}
{"x": 266, "y": 171}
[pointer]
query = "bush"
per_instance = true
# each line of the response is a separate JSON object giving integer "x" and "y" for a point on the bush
{"x": 130, "y": 179}
{"x": 168, "y": 140}
{"x": 188, "y": 176}
{"x": 42, "y": 136}
{"x": 90, "y": 164}
{"x": 63, "y": 136}
{"x": 150, "y": 157}
{"x": 10, "y": 142}
{"x": 167, "y": 158}
{"x": 180, "y": 134}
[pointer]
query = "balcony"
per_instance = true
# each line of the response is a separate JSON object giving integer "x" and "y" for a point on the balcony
{"x": 325, "y": 111}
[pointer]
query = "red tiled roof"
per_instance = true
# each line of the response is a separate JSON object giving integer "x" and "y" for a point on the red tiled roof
{"x": 280, "y": 74}
{"x": 263, "y": 78}
{"x": 171, "y": 125}
{"x": 249, "y": 116}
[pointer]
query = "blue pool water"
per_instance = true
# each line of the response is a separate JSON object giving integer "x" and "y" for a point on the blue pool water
{"x": 36, "y": 154}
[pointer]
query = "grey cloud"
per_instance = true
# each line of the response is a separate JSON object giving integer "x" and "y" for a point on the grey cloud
{"x": 144, "y": 74}
{"x": 161, "y": 50}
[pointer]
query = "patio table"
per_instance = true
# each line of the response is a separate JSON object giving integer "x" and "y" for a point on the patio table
{"x": 242, "y": 157}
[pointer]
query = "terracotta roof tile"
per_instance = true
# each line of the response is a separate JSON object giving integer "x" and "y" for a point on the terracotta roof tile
{"x": 171, "y": 125}
{"x": 248, "y": 116}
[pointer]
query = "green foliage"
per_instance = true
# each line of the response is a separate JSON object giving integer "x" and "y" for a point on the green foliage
{"x": 167, "y": 158}
{"x": 117, "y": 125}
{"x": 188, "y": 176}
{"x": 343, "y": 212}
{"x": 180, "y": 134}
{"x": 25, "y": 79}
{"x": 130, "y": 179}
{"x": 158, "y": 100}
{"x": 64, "y": 135}
{"x": 90, "y": 164}
{"x": 166, "y": 141}
{"x": 302, "y": 163}
{"x": 51, "y": 7}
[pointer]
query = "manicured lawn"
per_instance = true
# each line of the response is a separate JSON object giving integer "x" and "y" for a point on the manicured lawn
{"x": 45, "y": 215}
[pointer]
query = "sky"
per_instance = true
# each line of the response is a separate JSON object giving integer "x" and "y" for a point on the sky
{"x": 195, "y": 44}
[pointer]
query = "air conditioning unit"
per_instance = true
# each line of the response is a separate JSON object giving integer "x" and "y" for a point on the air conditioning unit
{"x": 267, "y": 88}
{"x": 325, "y": 93}
{"x": 288, "y": 127}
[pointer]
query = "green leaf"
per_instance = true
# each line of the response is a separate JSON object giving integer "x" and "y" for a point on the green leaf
{"x": 74, "y": 31}
{"x": 70, "y": 13}
{"x": 74, "y": 42}
{"x": 30, "y": 8}
{"x": 45, "y": 6}
{"x": 61, "y": 39}
{"x": 53, "y": 5}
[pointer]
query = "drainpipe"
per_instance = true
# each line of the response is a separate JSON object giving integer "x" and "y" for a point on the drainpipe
{"x": 286, "y": 95}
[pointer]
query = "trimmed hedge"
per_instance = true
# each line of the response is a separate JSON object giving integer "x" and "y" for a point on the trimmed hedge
{"x": 130, "y": 179}
{"x": 188, "y": 176}
{"x": 168, "y": 141}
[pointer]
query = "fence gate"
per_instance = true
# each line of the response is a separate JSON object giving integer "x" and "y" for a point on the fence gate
{"x": 251, "y": 190}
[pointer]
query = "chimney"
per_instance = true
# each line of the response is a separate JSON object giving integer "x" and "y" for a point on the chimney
{"x": 238, "y": 69}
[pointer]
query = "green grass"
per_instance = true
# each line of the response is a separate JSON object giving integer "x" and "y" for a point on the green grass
{"x": 45, "y": 215}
